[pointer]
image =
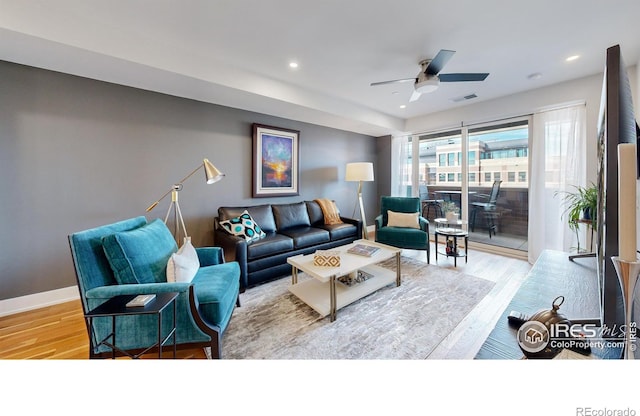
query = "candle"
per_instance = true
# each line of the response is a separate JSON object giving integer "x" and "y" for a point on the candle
{"x": 627, "y": 173}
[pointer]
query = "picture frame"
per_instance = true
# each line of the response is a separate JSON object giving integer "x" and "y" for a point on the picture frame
{"x": 275, "y": 161}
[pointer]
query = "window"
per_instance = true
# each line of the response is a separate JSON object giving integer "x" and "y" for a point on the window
{"x": 469, "y": 160}
{"x": 472, "y": 158}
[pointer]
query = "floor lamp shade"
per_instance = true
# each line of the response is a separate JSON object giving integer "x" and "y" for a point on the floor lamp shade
{"x": 360, "y": 172}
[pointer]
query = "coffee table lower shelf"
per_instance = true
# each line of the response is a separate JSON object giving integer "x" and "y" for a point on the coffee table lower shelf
{"x": 317, "y": 294}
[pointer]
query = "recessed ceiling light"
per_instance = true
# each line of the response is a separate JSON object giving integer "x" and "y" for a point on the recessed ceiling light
{"x": 403, "y": 106}
{"x": 572, "y": 58}
{"x": 293, "y": 65}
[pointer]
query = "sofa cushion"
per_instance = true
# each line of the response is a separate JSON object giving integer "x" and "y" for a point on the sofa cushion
{"x": 140, "y": 255}
{"x": 315, "y": 213}
{"x": 268, "y": 246}
{"x": 403, "y": 237}
{"x": 307, "y": 236}
{"x": 243, "y": 226}
{"x": 261, "y": 214}
{"x": 91, "y": 263}
{"x": 291, "y": 215}
{"x": 341, "y": 231}
{"x": 217, "y": 290}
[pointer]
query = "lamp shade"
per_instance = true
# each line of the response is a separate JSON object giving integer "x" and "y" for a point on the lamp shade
{"x": 211, "y": 172}
{"x": 360, "y": 171}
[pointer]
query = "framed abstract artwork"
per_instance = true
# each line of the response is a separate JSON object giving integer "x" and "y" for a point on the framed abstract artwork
{"x": 275, "y": 161}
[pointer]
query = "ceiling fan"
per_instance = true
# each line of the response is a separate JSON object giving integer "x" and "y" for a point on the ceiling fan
{"x": 430, "y": 77}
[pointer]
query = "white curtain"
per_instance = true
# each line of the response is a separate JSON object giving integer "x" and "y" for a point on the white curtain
{"x": 400, "y": 166}
{"x": 558, "y": 153}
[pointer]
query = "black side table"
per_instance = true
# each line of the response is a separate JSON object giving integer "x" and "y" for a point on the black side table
{"x": 116, "y": 306}
{"x": 454, "y": 233}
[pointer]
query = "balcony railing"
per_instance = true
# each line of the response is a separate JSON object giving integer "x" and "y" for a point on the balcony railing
{"x": 510, "y": 216}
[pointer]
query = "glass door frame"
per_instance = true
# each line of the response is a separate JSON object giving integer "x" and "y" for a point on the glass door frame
{"x": 464, "y": 185}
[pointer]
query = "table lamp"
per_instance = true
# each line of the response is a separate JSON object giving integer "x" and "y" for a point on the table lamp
{"x": 360, "y": 172}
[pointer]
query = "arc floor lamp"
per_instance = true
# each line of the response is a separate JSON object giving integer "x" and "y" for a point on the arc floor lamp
{"x": 212, "y": 175}
{"x": 360, "y": 172}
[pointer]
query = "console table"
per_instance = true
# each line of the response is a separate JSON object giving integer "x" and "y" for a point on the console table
{"x": 551, "y": 276}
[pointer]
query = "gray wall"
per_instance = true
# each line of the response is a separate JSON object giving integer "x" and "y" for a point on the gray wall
{"x": 77, "y": 153}
{"x": 383, "y": 167}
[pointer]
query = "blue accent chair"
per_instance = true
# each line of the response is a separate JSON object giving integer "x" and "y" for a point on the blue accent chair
{"x": 401, "y": 237}
{"x": 129, "y": 258}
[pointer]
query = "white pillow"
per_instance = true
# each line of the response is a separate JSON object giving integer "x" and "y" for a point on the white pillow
{"x": 184, "y": 264}
{"x": 404, "y": 220}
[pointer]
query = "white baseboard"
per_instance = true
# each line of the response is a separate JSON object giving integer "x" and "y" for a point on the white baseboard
{"x": 38, "y": 300}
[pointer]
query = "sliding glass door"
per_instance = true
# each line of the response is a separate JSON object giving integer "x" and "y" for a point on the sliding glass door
{"x": 483, "y": 173}
{"x": 499, "y": 185}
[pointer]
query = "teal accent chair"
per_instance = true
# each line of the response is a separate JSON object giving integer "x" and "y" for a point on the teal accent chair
{"x": 129, "y": 258}
{"x": 410, "y": 238}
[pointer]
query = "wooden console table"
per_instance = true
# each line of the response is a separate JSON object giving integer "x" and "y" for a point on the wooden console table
{"x": 552, "y": 275}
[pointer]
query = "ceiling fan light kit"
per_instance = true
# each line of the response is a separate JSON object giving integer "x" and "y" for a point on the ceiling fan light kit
{"x": 429, "y": 78}
{"x": 427, "y": 85}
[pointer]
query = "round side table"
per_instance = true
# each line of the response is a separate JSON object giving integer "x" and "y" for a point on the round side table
{"x": 452, "y": 250}
{"x": 444, "y": 223}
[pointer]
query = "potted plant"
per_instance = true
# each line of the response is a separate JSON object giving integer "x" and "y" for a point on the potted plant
{"x": 581, "y": 205}
{"x": 451, "y": 211}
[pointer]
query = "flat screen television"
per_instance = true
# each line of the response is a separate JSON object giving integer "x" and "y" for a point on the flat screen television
{"x": 616, "y": 124}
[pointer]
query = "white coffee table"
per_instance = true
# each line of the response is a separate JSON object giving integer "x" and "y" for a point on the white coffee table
{"x": 325, "y": 294}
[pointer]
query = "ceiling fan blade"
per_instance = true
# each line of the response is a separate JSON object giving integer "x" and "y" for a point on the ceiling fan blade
{"x": 395, "y": 81}
{"x": 463, "y": 77}
{"x": 414, "y": 96}
{"x": 437, "y": 63}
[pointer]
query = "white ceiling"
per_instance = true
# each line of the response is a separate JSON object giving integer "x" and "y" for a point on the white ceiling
{"x": 236, "y": 52}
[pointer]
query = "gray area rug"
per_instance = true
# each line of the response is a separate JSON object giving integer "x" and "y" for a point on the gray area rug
{"x": 405, "y": 322}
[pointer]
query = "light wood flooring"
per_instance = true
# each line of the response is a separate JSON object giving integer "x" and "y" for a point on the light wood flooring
{"x": 59, "y": 331}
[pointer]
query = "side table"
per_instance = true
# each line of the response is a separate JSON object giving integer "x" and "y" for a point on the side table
{"x": 453, "y": 233}
{"x": 116, "y": 306}
{"x": 444, "y": 223}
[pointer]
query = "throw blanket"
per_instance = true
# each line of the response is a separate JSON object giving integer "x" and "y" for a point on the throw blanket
{"x": 330, "y": 211}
